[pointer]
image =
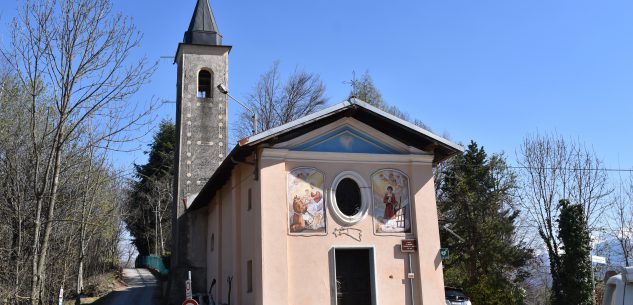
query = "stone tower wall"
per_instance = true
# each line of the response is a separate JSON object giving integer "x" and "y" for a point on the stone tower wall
{"x": 201, "y": 122}
{"x": 201, "y": 128}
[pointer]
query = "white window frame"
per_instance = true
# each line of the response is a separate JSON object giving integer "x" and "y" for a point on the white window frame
{"x": 365, "y": 195}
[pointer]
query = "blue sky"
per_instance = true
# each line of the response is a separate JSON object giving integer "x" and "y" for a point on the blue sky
{"x": 492, "y": 71}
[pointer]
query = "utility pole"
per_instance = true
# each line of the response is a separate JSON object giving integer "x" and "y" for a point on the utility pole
{"x": 160, "y": 226}
{"x": 156, "y": 230}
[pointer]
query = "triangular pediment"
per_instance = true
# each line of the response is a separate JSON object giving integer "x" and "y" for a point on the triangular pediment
{"x": 346, "y": 136}
{"x": 345, "y": 140}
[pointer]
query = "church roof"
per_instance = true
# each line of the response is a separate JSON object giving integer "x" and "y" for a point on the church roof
{"x": 373, "y": 117}
{"x": 202, "y": 28}
{"x": 399, "y": 129}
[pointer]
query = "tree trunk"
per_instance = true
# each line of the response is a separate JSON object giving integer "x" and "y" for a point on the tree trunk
{"x": 36, "y": 277}
{"x": 16, "y": 255}
{"x": 82, "y": 247}
{"x": 41, "y": 262}
{"x": 80, "y": 263}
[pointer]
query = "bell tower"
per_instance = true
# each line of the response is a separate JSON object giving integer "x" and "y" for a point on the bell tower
{"x": 201, "y": 128}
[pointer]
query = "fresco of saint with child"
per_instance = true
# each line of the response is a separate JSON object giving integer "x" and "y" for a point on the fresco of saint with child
{"x": 392, "y": 208}
{"x": 306, "y": 208}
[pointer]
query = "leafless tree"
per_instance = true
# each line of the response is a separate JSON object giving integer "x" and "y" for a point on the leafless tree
{"x": 621, "y": 224}
{"x": 74, "y": 60}
{"x": 554, "y": 169}
{"x": 14, "y": 191}
{"x": 545, "y": 160}
{"x": 277, "y": 102}
{"x": 589, "y": 184}
{"x": 159, "y": 197}
{"x": 537, "y": 285}
{"x": 85, "y": 182}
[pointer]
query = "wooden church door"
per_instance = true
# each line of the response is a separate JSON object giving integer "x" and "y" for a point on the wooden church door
{"x": 353, "y": 276}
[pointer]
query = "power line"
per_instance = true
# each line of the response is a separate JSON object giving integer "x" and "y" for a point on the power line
{"x": 571, "y": 169}
{"x": 554, "y": 168}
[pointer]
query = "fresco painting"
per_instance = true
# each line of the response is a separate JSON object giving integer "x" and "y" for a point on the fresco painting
{"x": 390, "y": 194}
{"x": 306, "y": 208}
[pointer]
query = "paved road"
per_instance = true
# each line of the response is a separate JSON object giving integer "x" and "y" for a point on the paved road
{"x": 141, "y": 289}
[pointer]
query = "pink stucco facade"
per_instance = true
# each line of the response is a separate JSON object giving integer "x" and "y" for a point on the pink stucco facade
{"x": 288, "y": 268}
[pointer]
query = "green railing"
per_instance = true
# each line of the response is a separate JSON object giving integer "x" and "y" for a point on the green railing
{"x": 151, "y": 262}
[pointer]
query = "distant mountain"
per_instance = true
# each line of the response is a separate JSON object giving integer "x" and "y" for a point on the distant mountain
{"x": 612, "y": 251}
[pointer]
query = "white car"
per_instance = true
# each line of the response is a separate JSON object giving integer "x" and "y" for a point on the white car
{"x": 456, "y": 296}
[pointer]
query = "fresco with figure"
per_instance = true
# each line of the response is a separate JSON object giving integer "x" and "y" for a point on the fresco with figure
{"x": 390, "y": 192}
{"x": 306, "y": 208}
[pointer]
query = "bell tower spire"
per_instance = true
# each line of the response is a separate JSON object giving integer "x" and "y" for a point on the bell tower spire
{"x": 202, "y": 28}
{"x": 201, "y": 132}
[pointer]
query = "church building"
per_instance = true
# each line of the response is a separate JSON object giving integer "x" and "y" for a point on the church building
{"x": 337, "y": 207}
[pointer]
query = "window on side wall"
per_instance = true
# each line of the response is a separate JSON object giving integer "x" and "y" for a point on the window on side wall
{"x": 249, "y": 276}
{"x": 250, "y": 200}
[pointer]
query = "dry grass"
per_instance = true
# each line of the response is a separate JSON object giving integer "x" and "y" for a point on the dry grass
{"x": 99, "y": 286}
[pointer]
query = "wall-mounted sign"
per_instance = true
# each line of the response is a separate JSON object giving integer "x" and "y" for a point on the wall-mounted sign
{"x": 598, "y": 259}
{"x": 408, "y": 245}
{"x": 444, "y": 253}
{"x": 188, "y": 293}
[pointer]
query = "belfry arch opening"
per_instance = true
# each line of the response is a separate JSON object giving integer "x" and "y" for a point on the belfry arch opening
{"x": 205, "y": 84}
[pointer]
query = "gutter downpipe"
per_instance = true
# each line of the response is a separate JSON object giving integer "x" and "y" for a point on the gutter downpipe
{"x": 411, "y": 280}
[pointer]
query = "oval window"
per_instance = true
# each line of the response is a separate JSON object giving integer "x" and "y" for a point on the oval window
{"x": 348, "y": 197}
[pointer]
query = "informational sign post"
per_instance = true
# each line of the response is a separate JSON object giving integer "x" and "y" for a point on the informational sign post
{"x": 188, "y": 293}
{"x": 61, "y": 296}
{"x": 189, "y": 296}
{"x": 408, "y": 245}
{"x": 598, "y": 259}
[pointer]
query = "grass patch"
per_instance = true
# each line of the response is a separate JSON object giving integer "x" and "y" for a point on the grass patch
{"x": 86, "y": 300}
{"x": 96, "y": 287}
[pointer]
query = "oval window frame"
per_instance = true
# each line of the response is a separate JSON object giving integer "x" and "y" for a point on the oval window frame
{"x": 365, "y": 195}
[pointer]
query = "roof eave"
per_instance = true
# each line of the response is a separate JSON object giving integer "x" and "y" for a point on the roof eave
{"x": 247, "y": 145}
{"x": 200, "y": 45}
{"x": 260, "y": 137}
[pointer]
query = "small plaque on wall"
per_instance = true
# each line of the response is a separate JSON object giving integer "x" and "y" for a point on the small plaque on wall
{"x": 408, "y": 245}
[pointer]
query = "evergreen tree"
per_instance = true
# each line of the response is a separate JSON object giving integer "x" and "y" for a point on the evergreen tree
{"x": 475, "y": 198}
{"x": 161, "y": 154}
{"x": 363, "y": 88}
{"x": 575, "y": 271}
{"x": 152, "y": 191}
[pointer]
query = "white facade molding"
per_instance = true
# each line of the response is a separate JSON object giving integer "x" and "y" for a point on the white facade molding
{"x": 336, "y": 157}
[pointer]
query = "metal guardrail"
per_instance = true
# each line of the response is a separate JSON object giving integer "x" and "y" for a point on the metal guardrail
{"x": 151, "y": 262}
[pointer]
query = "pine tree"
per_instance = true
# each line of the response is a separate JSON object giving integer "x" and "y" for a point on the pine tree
{"x": 363, "y": 88}
{"x": 153, "y": 190}
{"x": 575, "y": 271}
{"x": 475, "y": 198}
